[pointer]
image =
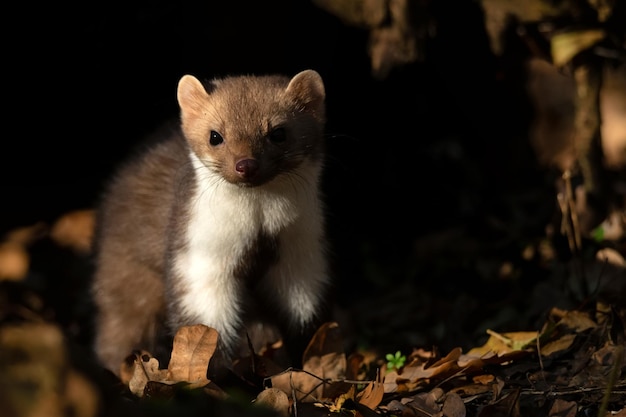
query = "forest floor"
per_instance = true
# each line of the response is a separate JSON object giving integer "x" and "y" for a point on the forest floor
{"x": 485, "y": 332}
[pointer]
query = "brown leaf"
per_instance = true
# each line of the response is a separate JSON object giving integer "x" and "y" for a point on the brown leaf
{"x": 508, "y": 406}
{"x": 74, "y": 230}
{"x": 324, "y": 368}
{"x": 562, "y": 408}
{"x": 453, "y": 405}
{"x": 559, "y": 345}
{"x": 575, "y": 320}
{"x": 127, "y": 368}
{"x": 418, "y": 372}
{"x": 274, "y": 399}
{"x": 27, "y": 235}
{"x": 372, "y": 394}
{"x": 427, "y": 403}
{"x": 145, "y": 369}
{"x": 192, "y": 350}
{"x": 501, "y": 343}
{"x": 300, "y": 383}
{"x": 327, "y": 339}
{"x": 14, "y": 257}
{"x": 14, "y": 262}
{"x": 566, "y": 45}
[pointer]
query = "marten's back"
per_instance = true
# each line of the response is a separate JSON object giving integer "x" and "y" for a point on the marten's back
{"x": 135, "y": 207}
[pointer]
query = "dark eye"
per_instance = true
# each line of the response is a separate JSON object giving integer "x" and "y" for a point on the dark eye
{"x": 215, "y": 138}
{"x": 278, "y": 135}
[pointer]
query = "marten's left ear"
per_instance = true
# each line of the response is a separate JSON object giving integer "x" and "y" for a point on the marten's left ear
{"x": 307, "y": 89}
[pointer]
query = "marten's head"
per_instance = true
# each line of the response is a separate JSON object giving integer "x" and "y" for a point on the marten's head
{"x": 251, "y": 129}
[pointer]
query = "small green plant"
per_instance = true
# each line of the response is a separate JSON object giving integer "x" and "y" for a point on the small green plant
{"x": 395, "y": 361}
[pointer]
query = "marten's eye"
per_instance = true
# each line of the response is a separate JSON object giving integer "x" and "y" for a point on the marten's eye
{"x": 278, "y": 135}
{"x": 215, "y": 138}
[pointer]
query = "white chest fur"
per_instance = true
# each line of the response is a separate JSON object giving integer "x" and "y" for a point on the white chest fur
{"x": 224, "y": 221}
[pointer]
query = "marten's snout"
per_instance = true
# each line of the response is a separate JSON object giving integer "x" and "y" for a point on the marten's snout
{"x": 247, "y": 168}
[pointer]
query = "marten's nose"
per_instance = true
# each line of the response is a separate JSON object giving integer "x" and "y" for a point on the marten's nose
{"x": 247, "y": 168}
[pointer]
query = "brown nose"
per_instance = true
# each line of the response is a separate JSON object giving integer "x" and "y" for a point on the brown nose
{"x": 247, "y": 168}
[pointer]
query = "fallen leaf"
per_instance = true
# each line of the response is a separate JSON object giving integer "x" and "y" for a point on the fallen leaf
{"x": 14, "y": 261}
{"x": 146, "y": 369}
{"x": 27, "y": 235}
{"x": 562, "y": 408}
{"x": 453, "y": 406}
{"x": 566, "y": 45}
{"x": 323, "y": 370}
{"x": 274, "y": 399}
{"x": 501, "y": 343}
{"x": 14, "y": 256}
{"x": 191, "y": 352}
{"x": 559, "y": 345}
{"x": 74, "y": 230}
{"x": 372, "y": 394}
{"x": 575, "y": 320}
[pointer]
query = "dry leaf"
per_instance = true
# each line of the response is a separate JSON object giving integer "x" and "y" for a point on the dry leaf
{"x": 14, "y": 257}
{"x": 611, "y": 256}
{"x": 74, "y": 230}
{"x": 562, "y": 408}
{"x": 372, "y": 394}
{"x": 27, "y": 235}
{"x": 558, "y": 345}
{"x": 575, "y": 320}
{"x": 127, "y": 368}
{"x": 14, "y": 262}
{"x": 501, "y": 343}
{"x": 453, "y": 406}
{"x": 192, "y": 350}
{"x": 146, "y": 368}
{"x": 339, "y": 402}
{"x": 566, "y": 45}
{"x": 324, "y": 368}
{"x": 418, "y": 373}
{"x": 274, "y": 399}
{"x": 427, "y": 403}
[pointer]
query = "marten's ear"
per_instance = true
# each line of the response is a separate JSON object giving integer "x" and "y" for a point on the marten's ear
{"x": 192, "y": 97}
{"x": 307, "y": 89}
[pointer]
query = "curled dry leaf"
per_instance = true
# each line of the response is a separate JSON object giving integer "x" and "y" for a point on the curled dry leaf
{"x": 127, "y": 369}
{"x": 372, "y": 394}
{"x": 145, "y": 369}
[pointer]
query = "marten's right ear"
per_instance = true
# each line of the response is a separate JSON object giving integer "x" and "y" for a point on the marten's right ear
{"x": 192, "y": 97}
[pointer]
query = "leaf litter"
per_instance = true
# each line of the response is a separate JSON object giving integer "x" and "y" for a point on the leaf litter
{"x": 575, "y": 363}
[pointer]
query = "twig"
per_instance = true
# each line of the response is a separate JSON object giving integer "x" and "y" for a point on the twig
{"x": 617, "y": 366}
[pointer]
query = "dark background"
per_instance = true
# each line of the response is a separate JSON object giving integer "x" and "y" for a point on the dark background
{"x": 437, "y": 145}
